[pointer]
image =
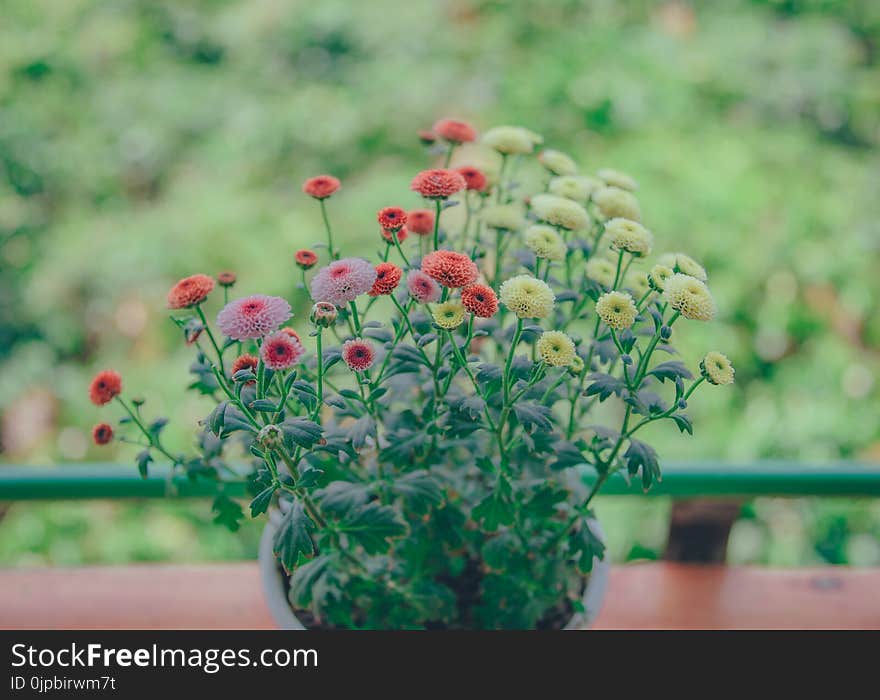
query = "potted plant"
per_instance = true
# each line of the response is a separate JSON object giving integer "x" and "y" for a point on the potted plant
{"x": 426, "y": 443}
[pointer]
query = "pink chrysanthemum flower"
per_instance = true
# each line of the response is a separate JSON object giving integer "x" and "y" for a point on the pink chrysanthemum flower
{"x": 420, "y": 222}
{"x": 391, "y": 218}
{"x": 322, "y": 186}
{"x": 422, "y": 288}
{"x": 475, "y": 179}
{"x": 455, "y": 131}
{"x": 358, "y": 354}
{"x": 438, "y": 184}
{"x": 450, "y": 269}
{"x": 280, "y": 350}
{"x": 190, "y": 291}
{"x": 102, "y": 433}
{"x": 252, "y": 317}
{"x": 305, "y": 258}
{"x": 343, "y": 281}
{"x": 105, "y": 387}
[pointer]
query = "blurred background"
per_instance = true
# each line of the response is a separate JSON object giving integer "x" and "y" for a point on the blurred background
{"x": 143, "y": 141}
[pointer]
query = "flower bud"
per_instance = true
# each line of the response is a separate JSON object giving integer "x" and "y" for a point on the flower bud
{"x": 626, "y": 359}
{"x": 323, "y": 314}
{"x": 665, "y": 332}
{"x": 270, "y": 437}
{"x": 682, "y": 404}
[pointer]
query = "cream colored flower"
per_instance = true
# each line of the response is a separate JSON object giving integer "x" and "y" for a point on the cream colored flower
{"x": 576, "y": 368}
{"x": 658, "y": 275}
{"x": 617, "y": 310}
{"x": 717, "y": 369}
{"x": 527, "y": 296}
{"x": 509, "y": 140}
{"x": 689, "y": 296}
{"x": 684, "y": 264}
{"x": 545, "y": 242}
{"x": 602, "y": 271}
{"x": 504, "y": 216}
{"x": 630, "y": 236}
{"x": 613, "y": 201}
{"x": 637, "y": 281}
{"x": 557, "y": 162}
{"x": 556, "y": 348}
{"x": 615, "y": 178}
{"x": 448, "y": 315}
{"x": 571, "y": 187}
{"x": 559, "y": 211}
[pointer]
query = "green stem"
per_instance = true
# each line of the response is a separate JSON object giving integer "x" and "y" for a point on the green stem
{"x": 211, "y": 337}
{"x": 333, "y": 254}
{"x": 355, "y": 317}
{"x": 438, "y": 207}
{"x": 154, "y": 442}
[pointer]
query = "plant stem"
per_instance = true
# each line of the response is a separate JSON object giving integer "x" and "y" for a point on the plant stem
{"x": 333, "y": 254}
{"x": 211, "y": 337}
{"x": 438, "y": 207}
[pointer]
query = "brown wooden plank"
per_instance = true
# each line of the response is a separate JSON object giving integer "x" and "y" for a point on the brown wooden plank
{"x": 646, "y": 596}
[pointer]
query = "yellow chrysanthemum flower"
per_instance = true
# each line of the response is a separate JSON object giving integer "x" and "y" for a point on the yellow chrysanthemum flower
{"x": 559, "y": 211}
{"x": 556, "y": 348}
{"x": 617, "y": 310}
{"x": 613, "y": 201}
{"x": 630, "y": 236}
{"x": 504, "y": 216}
{"x": 684, "y": 264}
{"x": 717, "y": 369}
{"x": 571, "y": 187}
{"x": 527, "y": 296}
{"x": 510, "y": 140}
{"x": 637, "y": 281}
{"x": 615, "y": 178}
{"x": 576, "y": 368}
{"x": 557, "y": 162}
{"x": 602, "y": 271}
{"x": 448, "y": 315}
{"x": 545, "y": 242}
{"x": 658, "y": 275}
{"x": 689, "y": 296}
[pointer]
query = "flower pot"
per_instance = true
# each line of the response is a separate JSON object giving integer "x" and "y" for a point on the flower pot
{"x": 275, "y": 583}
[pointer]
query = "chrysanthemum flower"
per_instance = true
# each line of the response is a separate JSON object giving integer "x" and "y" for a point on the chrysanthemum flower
{"x": 420, "y": 222}
{"x": 246, "y": 361}
{"x": 480, "y": 300}
{"x": 511, "y": 140}
{"x": 559, "y": 211}
{"x": 630, "y": 236}
{"x": 450, "y": 269}
{"x": 557, "y": 162}
{"x": 401, "y": 235}
{"x": 658, "y": 275}
{"x": 527, "y": 296}
{"x": 253, "y": 316}
{"x": 322, "y": 186}
{"x": 637, "y": 281}
{"x": 455, "y": 131}
{"x": 615, "y": 178}
{"x": 690, "y": 296}
{"x": 617, "y": 310}
{"x": 613, "y": 201}
{"x": 270, "y": 437}
{"x": 474, "y": 178}
{"x": 306, "y": 259}
{"x": 102, "y": 433}
{"x": 226, "y": 279}
{"x": 439, "y": 183}
{"x": 391, "y": 218}
{"x": 556, "y": 348}
{"x": 717, "y": 369}
{"x": 448, "y": 315}
{"x": 576, "y": 368}
{"x": 684, "y": 264}
{"x": 323, "y": 314}
{"x": 190, "y": 291}
{"x": 508, "y": 217}
{"x": 105, "y": 387}
{"x": 577, "y": 189}
{"x": 421, "y": 287}
{"x": 280, "y": 351}
{"x": 343, "y": 281}
{"x": 387, "y": 278}
{"x": 358, "y": 354}
{"x": 545, "y": 242}
{"x": 291, "y": 332}
{"x": 602, "y": 271}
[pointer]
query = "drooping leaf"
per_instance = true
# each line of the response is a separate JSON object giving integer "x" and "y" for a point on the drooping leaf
{"x": 293, "y": 537}
{"x": 143, "y": 462}
{"x": 301, "y": 432}
{"x": 604, "y": 385}
{"x": 261, "y": 501}
{"x": 533, "y": 415}
{"x": 640, "y": 455}
{"x": 671, "y": 369}
{"x": 360, "y": 430}
{"x": 585, "y": 546}
{"x": 227, "y": 512}
{"x": 340, "y": 497}
{"x": 567, "y": 455}
{"x": 372, "y": 526}
{"x": 683, "y": 421}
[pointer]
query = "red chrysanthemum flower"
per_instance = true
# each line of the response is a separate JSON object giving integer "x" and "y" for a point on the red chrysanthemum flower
{"x": 420, "y": 222}
{"x": 226, "y": 279}
{"x": 450, "y": 269}
{"x": 102, "y": 433}
{"x": 306, "y": 259}
{"x": 292, "y": 333}
{"x": 358, "y": 354}
{"x": 401, "y": 235}
{"x": 391, "y": 218}
{"x": 322, "y": 186}
{"x": 455, "y": 131}
{"x": 480, "y": 300}
{"x": 387, "y": 278}
{"x": 280, "y": 351}
{"x": 437, "y": 184}
{"x": 105, "y": 387}
{"x": 473, "y": 177}
{"x": 245, "y": 361}
{"x": 427, "y": 137}
{"x": 190, "y": 291}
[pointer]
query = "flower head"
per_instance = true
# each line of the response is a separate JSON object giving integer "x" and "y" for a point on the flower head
{"x": 577, "y": 189}
{"x": 226, "y": 279}
{"x": 270, "y": 437}
{"x": 102, "y": 433}
{"x": 387, "y": 278}
{"x": 190, "y": 291}
{"x": 306, "y": 259}
{"x": 615, "y": 178}
{"x": 474, "y": 178}
{"x": 576, "y": 368}
{"x": 527, "y": 296}
{"x": 391, "y": 218}
{"x": 717, "y": 369}
{"x": 253, "y": 316}
{"x": 684, "y": 264}
{"x": 658, "y": 275}
{"x": 637, "y": 281}
{"x": 390, "y": 236}
{"x": 420, "y": 221}
{"x": 455, "y": 131}
{"x": 613, "y": 201}
{"x": 291, "y": 332}
{"x": 421, "y": 287}
{"x": 556, "y": 348}
{"x": 617, "y": 310}
{"x": 246, "y": 361}
{"x": 559, "y": 211}
{"x": 557, "y": 162}
{"x": 450, "y": 269}
{"x": 322, "y": 186}
{"x": 105, "y": 387}
{"x": 323, "y": 314}
{"x": 545, "y": 242}
{"x": 280, "y": 351}
{"x": 510, "y": 140}
{"x": 480, "y": 300}
{"x": 448, "y": 315}
{"x": 601, "y": 271}
{"x": 439, "y": 183}
{"x": 689, "y": 296}
{"x": 427, "y": 137}
{"x": 343, "y": 281}
{"x": 358, "y": 354}
{"x": 508, "y": 217}
{"x": 630, "y": 236}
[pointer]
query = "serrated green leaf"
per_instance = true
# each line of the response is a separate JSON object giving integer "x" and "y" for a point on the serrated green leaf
{"x": 293, "y": 537}
{"x": 372, "y": 526}
{"x": 227, "y": 512}
{"x": 261, "y": 501}
{"x": 419, "y": 490}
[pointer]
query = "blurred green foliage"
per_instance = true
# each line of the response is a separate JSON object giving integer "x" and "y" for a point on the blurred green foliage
{"x": 141, "y": 141}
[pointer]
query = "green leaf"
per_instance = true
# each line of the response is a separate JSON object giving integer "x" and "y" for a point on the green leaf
{"x": 533, "y": 415}
{"x": 262, "y": 500}
{"x": 640, "y": 455}
{"x": 683, "y": 422}
{"x": 372, "y": 526}
{"x": 301, "y": 432}
{"x": 309, "y": 478}
{"x": 567, "y": 455}
{"x": 293, "y": 536}
{"x": 264, "y": 406}
{"x": 340, "y": 497}
{"x": 360, "y": 430}
{"x": 670, "y": 370}
{"x": 419, "y": 490}
{"x": 604, "y": 385}
{"x": 306, "y": 580}
{"x": 227, "y": 512}
{"x": 143, "y": 460}
{"x": 542, "y": 504}
{"x": 585, "y": 546}
{"x": 496, "y": 508}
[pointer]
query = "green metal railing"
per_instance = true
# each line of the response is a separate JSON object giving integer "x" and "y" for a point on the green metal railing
{"x": 680, "y": 480}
